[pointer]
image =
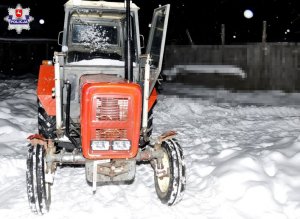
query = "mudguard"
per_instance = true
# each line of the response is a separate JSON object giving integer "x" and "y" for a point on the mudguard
{"x": 46, "y": 84}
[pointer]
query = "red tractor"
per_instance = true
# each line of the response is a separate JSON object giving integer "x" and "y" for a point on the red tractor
{"x": 95, "y": 104}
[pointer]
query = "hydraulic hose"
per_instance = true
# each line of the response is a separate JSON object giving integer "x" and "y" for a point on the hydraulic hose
{"x": 67, "y": 131}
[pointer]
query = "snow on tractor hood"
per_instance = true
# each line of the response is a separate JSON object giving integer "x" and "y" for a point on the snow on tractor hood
{"x": 99, "y": 61}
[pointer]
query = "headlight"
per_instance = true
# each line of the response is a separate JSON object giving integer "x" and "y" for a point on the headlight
{"x": 121, "y": 145}
{"x": 100, "y": 145}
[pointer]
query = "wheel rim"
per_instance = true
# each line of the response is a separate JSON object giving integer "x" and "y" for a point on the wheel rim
{"x": 48, "y": 193}
{"x": 164, "y": 182}
{"x": 47, "y": 185}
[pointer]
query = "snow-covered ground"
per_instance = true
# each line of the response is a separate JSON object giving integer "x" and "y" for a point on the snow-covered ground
{"x": 242, "y": 155}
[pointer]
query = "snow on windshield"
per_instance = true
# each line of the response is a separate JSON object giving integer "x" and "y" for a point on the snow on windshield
{"x": 242, "y": 154}
{"x": 94, "y": 36}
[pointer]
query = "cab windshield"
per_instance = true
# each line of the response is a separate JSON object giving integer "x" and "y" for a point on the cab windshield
{"x": 95, "y": 35}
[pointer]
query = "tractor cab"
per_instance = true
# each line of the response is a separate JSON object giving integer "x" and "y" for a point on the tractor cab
{"x": 96, "y": 34}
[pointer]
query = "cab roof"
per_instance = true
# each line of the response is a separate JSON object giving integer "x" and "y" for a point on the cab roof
{"x": 99, "y": 4}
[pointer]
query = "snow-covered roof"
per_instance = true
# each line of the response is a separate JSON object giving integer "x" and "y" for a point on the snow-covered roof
{"x": 99, "y": 4}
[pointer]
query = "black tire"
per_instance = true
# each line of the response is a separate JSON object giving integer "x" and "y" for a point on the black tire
{"x": 170, "y": 188}
{"x": 38, "y": 190}
{"x": 46, "y": 123}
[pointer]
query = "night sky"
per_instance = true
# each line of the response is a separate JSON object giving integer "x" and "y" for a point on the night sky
{"x": 202, "y": 20}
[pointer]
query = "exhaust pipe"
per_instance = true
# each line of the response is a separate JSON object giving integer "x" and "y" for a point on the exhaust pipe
{"x": 128, "y": 45}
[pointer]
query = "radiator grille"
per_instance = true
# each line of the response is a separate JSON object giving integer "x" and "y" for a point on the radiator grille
{"x": 115, "y": 109}
{"x": 111, "y": 134}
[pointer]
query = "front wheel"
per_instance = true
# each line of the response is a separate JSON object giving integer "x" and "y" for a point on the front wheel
{"x": 171, "y": 184}
{"x": 38, "y": 190}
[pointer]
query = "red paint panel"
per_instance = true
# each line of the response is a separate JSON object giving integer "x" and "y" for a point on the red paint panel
{"x": 44, "y": 88}
{"x": 90, "y": 125}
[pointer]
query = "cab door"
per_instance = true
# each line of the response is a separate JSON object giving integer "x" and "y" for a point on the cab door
{"x": 156, "y": 41}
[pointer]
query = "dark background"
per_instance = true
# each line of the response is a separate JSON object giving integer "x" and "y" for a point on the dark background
{"x": 201, "y": 19}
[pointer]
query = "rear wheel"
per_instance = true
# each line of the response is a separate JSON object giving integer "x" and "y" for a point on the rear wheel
{"x": 46, "y": 123}
{"x": 38, "y": 190}
{"x": 171, "y": 185}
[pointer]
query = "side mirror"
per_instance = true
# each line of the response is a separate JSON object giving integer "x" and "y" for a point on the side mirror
{"x": 59, "y": 38}
{"x": 142, "y": 40}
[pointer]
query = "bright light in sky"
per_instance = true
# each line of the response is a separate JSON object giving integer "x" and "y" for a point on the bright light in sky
{"x": 248, "y": 14}
{"x": 42, "y": 21}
